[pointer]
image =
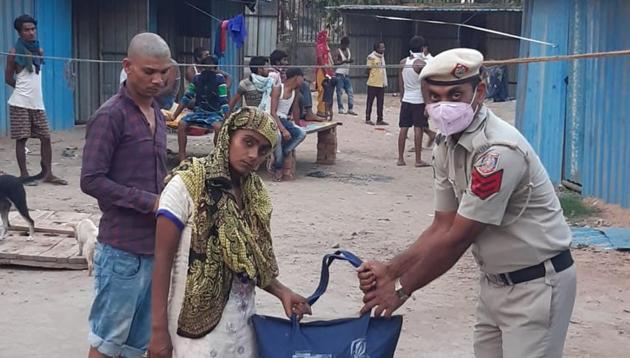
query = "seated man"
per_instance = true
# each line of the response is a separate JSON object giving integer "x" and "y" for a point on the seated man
{"x": 209, "y": 91}
{"x": 284, "y": 105}
{"x": 279, "y": 60}
{"x": 256, "y": 89}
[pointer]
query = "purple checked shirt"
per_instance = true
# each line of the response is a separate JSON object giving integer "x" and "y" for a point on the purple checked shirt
{"x": 124, "y": 167}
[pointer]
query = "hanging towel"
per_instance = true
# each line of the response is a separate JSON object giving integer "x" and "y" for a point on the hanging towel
{"x": 28, "y": 48}
{"x": 224, "y": 31}
{"x": 238, "y": 30}
{"x": 220, "y": 39}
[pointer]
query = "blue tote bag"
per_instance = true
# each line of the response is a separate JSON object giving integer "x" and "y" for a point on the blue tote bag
{"x": 363, "y": 337}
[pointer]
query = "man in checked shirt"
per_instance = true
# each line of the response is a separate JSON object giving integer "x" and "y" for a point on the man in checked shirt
{"x": 124, "y": 166}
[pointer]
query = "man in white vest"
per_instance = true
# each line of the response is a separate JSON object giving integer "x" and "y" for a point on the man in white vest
{"x": 26, "y": 104}
{"x": 343, "y": 58}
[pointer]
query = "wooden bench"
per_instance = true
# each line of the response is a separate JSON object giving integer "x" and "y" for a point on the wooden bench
{"x": 326, "y": 147}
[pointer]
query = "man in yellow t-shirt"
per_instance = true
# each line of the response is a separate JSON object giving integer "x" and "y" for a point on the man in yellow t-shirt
{"x": 377, "y": 82}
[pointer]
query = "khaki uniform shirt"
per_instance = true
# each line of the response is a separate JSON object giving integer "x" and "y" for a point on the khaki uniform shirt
{"x": 484, "y": 177}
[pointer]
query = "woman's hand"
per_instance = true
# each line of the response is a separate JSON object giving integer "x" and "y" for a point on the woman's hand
{"x": 294, "y": 304}
{"x": 160, "y": 345}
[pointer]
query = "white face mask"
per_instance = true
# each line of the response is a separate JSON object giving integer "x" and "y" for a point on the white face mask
{"x": 452, "y": 117}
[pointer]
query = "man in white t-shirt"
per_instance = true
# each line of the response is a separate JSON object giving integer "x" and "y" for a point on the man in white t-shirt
{"x": 342, "y": 59}
{"x": 26, "y": 104}
{"x": 411, "y": 101}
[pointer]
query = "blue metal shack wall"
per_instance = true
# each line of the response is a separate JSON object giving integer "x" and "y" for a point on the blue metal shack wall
{"x": 541, "y": 86}
{"x": 55, "y": 36}
{"x": 581, "y": 132}
{"x": 603, "y": 121}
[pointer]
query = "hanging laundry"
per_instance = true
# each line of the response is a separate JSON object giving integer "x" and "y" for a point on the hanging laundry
{"x": 220, "y": 39}
{"x": 238, "y": 30}
{"x": 224, "y": 31}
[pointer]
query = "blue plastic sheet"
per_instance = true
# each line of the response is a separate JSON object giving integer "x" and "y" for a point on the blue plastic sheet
{"x": 609, "y": 238}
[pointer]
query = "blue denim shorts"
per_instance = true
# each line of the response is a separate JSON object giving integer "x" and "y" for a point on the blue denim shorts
{"x": 120, "y": 318}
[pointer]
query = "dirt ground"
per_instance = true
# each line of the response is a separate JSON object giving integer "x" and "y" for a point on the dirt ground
{"x": 367, "y": 205}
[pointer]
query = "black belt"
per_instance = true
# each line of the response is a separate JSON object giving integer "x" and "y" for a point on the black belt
{"x": 560, "y": 262}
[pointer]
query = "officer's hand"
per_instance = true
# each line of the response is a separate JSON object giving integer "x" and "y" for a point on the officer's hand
{"x": 377, "y": 285}
{"x": 384, "y": 301}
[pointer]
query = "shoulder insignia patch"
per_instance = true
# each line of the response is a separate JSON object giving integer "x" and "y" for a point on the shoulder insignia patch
{"x": 485, "y": 185}
{"x": 487, "y": 163}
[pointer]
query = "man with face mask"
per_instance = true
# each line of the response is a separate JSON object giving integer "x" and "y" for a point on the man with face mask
{"x": 491, "y": 193}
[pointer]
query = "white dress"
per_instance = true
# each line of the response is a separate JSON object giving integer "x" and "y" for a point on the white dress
{"x": 234, "y": 335}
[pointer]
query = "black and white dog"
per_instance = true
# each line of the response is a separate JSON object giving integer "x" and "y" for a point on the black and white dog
{"x": 12, "y": 191}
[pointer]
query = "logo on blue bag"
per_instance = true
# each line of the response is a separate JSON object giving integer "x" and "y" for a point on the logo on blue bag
{"x": 358, "y": 348}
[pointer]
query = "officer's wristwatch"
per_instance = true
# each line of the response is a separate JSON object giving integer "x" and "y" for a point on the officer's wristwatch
{"x": 399, "y": 291}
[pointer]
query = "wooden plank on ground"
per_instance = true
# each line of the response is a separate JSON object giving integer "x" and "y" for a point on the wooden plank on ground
{"x": 53, "y": 244}
{"x": 44, "y": 264}
{"x": 63, "y": 249}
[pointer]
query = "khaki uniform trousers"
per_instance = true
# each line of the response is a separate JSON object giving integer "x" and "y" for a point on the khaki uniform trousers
{"x": 526, "y": 320}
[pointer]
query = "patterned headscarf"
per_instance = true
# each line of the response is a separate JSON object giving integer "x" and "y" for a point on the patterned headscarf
{"x": 225, "y": 241}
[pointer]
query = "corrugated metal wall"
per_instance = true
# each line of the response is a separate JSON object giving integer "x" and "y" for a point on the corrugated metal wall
{"x": 501, "y": 47}
{"x": 362, "y": 39}
{"x": 86, "y": 45}
{"x": 263, "y": 29}
{"x": 116, "y": 32}
{"x": 541, "y": 95}
{"x": 364, "y": 30}
{"x": 601, "y": 98}
{"x": 9, "y": 10}
{"x": 580, "y": 131}
{"x": 54, "y": 33}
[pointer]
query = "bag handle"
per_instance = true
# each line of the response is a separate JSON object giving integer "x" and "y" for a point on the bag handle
{"x": 325, "y": 275}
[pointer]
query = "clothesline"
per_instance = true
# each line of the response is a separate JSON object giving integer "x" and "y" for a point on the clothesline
{"x": 511, "y": 61}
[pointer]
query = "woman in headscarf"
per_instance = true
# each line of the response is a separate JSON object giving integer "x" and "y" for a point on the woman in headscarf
{"x": 325, "y": 63}
{"x": 214, "y": 246}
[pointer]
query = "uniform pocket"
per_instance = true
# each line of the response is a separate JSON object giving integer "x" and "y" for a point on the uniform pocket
{"x": 535, "y": 298}
{"x": 126, "y": 265}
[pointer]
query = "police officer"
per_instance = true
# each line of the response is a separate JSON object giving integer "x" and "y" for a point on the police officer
{"x": 492, "y": 192}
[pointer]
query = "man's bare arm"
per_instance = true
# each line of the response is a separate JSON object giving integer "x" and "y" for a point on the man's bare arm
{"x": 9, "y": 71}
{"x": 437, "y": 253}
{"x": 401, "y": 83}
